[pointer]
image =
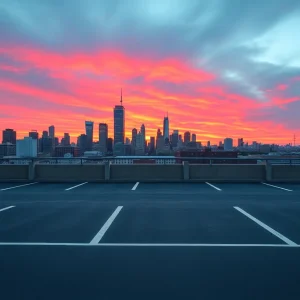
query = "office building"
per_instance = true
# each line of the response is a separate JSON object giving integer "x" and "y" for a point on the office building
{"x": 35, "y": 135}
{"x": 9, "y": 136}
{"x": 82, "y": 143}
{"x": 174, "y": 138}
{"x": 89, "y": 131}
{"x": 67, "y": 151}
{"x": 46, "y": 144}
{"x": 208, "y": 143}
{"x": 240, "y": 142}
{"x": 143, "y": 132}
{"x": 187, "y": 137}
{"x": 140, "y": 144}
{"x": 194, "y": 137}
{"x": 119, "y": 149}
{"x": 45, "y": 134}
{"x": 65, "y": 141}
{"x": 228, "y": 144}
{"x": 7, "y": 149}
{"x": 152, "y": 144}
{"x": 119, "y": 122}
{"x": 110, "y": 143}
{"x": 26, "y": 147}
{"x": 133, "y": 137}
{"x": 166, "y": 128}
{"x": 103, "y": 136}
{"x": 52, "y": 131}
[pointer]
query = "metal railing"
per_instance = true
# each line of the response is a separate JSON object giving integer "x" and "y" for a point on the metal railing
{"x": 153, "y": 160}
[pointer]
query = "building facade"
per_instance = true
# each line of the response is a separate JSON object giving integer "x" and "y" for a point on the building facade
{"x": 228, "y": 144}
{"x": 26, "y": 147}
{"x": 9, "y": 136}
{"x": 119, "y": 124}
{"x": 52, "y": 131}
{"x": 166, "y": 128}
{"x": 89, "y": 131}
{"x": 103, "y": 136}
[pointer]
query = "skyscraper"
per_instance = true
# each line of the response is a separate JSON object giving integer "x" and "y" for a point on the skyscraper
{"x": 143, "y": 132}
{"x": 194, "y": 137}
{"x": 140, "y": 144}
{"x": 89, "y": 130}
{"x": 35, "y": 135}
{"x": 240, "y": 142}
{"x": 52, "y": 131}
{"x": 103, "y": 136}
{"x": 187, "y": 137}
{"x": 82, "y": 143}
{"x": 9, "y": 136}
{"x": 119, "y": 122}
{"x": 175, "y": 137}
{"x": 66, "y": 140}
{"x": 133, "y": 138}
{"x": 166, "y": 127}
{"x": 228, "y": 144}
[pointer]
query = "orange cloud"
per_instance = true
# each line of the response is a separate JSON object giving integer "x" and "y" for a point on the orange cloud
{"x": 92, "y": 84}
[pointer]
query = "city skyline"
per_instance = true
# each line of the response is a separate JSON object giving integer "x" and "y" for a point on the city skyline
{"x": 217, "y": 70}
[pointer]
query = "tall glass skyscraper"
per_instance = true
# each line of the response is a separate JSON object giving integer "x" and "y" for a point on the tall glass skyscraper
{"x": 89, "y": 130}
{"x": 166, "y": 127}
{"x": 119, "y": 123}
{"x": 103, "y": 136}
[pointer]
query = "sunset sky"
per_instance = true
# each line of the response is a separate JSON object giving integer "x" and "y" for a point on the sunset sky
{"x": 219, "y": 68}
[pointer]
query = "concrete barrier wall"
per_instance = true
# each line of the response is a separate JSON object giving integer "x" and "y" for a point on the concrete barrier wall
{"x": 69, "y": 173}
{"x": 146, "y": 172}
{"x": 13, "y": 172}
{"x": 289, "y": 173}
{"x": 224, "y": 172}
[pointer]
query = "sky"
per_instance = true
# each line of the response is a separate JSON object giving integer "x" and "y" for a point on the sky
{"x": 219, "y": 68}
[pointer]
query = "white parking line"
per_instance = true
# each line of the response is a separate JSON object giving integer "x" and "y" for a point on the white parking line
{"x": 17, "y": 186}
{"x": 5, "y": 208}
{"x": 135, "y": 186}
{"x": 146, "y": 245}
{"x": 278, "y": 187}
{"x": 213, "y": 186}
{"x": 268, "y": 228}
{"x": 73, "y": 187}
{"x": 105, "y": 227}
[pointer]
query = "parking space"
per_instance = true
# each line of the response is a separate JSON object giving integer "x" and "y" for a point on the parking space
{"x": 181, "y": 224}
{"x": 285, "y": 219}
{"x": 75, "y": 223}
{"x": 173, "y": 188}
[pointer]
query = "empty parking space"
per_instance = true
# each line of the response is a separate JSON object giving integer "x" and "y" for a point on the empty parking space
{"x": 251, "y": 188}
{"x": 185, "y": 224}
{"x": 285, "y": 219}
{"x": 53, "y": 223}
{"x": 175, "y": 188}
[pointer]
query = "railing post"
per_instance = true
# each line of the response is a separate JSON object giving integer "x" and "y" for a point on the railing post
{"x": 268, "y": 168}
{"x": 186, "y": 170}
{"x": 107, "y": 170}
{"x": 31, "y": 170}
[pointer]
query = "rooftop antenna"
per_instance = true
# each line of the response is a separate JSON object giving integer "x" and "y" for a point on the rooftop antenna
{"x": 294, "y": 140}
{"x": 121, "y": 98}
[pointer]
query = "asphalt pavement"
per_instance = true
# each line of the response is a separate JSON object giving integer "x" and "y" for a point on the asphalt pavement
{"x": 149, "y": 241}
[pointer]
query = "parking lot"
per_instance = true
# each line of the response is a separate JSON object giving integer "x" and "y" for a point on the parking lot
{"x": 185, "y": 238}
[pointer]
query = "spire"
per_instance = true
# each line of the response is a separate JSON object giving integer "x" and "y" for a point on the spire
{"x": 121, "y": 98}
